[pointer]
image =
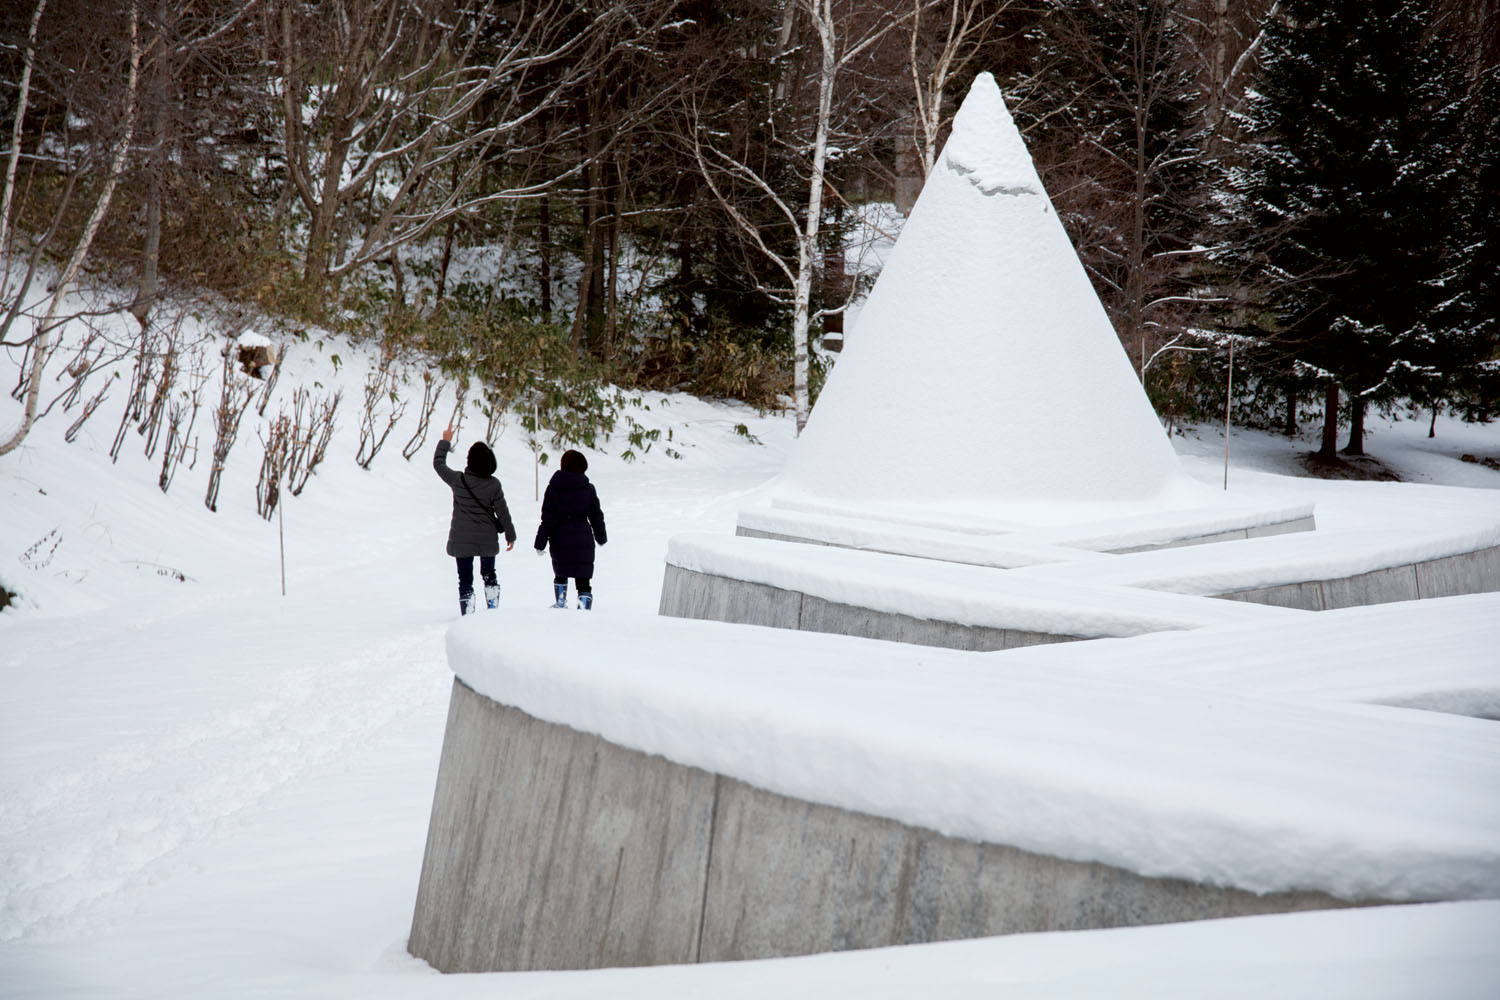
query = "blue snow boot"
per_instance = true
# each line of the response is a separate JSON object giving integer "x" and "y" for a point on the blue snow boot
{"x": 586, "y": 601}
{"x": 561, "y": 592}
{"x": 492, "y": 596}
{"x": 465, "y": 606}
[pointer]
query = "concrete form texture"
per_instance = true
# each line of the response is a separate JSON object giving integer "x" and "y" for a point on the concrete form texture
{"x": 555, "y": 849}
{"x": 690, "y": 594}
{"x": 1474, "y": 572}
{"x": 550, "y": 849}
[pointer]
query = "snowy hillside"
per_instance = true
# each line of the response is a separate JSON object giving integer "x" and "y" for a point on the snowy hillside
{"x": 211, "y": 790}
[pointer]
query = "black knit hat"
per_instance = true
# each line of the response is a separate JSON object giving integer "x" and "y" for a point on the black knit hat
{"x": 573, "y": 461}
{"x": 481, "y": 459}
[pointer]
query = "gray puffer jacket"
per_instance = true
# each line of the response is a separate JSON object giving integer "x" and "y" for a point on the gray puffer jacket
{"x": 472, "y": 531}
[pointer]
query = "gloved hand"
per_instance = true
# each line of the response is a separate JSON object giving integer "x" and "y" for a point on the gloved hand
{"x": 541, "y": 552}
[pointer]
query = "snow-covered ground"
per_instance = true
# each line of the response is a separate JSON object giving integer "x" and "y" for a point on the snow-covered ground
{"x": 211, "y": 790}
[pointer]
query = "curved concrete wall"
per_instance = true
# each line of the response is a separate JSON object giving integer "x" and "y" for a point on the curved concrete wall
{"x": 550, "y": 848}
{"x": 1475, "y": 572}
{"x": 689, "y": 594}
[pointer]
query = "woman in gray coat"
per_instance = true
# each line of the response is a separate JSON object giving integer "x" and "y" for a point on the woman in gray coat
{"x": 479, "y": 516}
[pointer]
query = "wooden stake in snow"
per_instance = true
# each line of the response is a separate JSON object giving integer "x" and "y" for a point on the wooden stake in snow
{"x": 1228, "y": 396}
{"x": 281, "y": 536}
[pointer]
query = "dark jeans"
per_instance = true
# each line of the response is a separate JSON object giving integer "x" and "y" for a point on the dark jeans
{"x": 582, "y": 583}
{"x": 466, "y": 574}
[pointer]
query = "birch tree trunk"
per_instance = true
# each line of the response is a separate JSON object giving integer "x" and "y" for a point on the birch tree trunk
{"x": 81, "y": 249}
{"x": 807, "y": 242}
{"x": 22, "y": 96}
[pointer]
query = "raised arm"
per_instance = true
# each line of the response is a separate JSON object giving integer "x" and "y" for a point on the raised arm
{"x": 440, "y": 459}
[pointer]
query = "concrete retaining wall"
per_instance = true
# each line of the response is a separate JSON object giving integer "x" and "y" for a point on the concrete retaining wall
{"x": 690, "y": 594}
{"x": 550, "y": 848}
{"x": 1475, "y": 572}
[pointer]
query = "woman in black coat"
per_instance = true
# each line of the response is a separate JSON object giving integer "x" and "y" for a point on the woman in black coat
{"x": 571, "y": 523}
{"x": 479, "y": 515}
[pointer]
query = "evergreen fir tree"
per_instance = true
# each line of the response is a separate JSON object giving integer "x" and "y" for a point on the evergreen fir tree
{"x": 1349, "y": 207}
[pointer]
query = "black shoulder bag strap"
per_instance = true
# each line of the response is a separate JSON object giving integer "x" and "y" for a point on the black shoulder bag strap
{"x": 482, "y": 505}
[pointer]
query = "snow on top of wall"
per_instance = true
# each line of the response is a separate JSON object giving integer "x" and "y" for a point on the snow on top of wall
{"x": 1437, "y": 654}
{"x": 1225, "y": 787}
{"x": 983, "y": 369}
{"x": 1248, "y": 564}
{"x": 951, "y": 592}
{"x": 957, "y": 542}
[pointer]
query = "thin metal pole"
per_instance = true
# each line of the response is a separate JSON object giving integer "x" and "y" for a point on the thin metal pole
{"x": 1228, "y": 397}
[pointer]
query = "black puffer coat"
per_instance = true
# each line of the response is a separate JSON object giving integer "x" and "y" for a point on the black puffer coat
{"x": 472, "y": 531}
{"x": 571, "y": 522}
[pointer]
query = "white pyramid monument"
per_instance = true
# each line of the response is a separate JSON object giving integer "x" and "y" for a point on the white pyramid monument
{"x": 983, "y": 367}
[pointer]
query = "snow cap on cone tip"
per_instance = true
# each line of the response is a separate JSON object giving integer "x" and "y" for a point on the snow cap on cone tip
{"x": 986, "y": 146}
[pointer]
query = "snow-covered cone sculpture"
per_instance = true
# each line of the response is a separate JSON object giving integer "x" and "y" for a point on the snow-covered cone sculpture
{"x": 983, "y": 366}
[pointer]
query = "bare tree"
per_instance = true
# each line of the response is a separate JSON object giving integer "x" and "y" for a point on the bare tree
{"x": 1125, "y": 158}
{"x": 843, "y": 34}
{"x": 55, "y": 312}
{"x": 423, "y": 94}
{"x": 936, "y": 58}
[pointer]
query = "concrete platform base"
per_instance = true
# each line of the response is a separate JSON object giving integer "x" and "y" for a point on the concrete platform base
{"x": 555, "y": 849}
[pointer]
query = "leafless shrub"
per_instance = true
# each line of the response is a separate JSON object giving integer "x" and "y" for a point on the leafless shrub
{"x": 140, "y": 380}
{"x": 279, "y": 442}
{"x": 184, "y": 405}
{"x": 234, "y": 400}
{"x": 494, "y": 409}
{"x": 381, "y": 386}
{"x": 88, "y": 411}
{"x": 456, "y": 418}
{"x": 312, "y": 441}
{"x": 150, "y": 428}
{"x": 432, "y": 388}
{"x": 265, "y": 391}
{"x": 295, "y": 444}
{"x": 86, "y": 361}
